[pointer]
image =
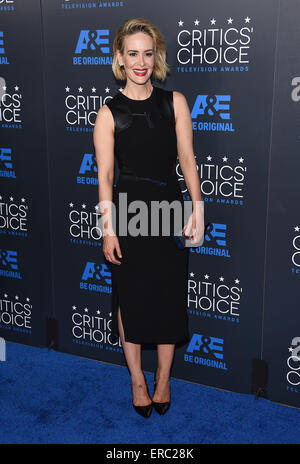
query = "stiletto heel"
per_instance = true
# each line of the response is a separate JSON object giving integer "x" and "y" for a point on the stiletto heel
{"x": 144, "y": 411}
{"x": 161, "y": 408}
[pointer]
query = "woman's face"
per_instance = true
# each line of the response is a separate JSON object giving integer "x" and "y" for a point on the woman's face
{"x": 138, "y": 58}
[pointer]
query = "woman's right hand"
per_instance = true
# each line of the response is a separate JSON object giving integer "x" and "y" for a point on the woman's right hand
{"x": 110, "y": 243}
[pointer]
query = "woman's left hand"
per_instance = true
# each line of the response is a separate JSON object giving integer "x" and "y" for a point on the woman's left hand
{"x": 194, "y": 229}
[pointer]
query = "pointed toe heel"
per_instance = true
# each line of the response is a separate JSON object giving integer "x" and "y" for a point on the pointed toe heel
{"x": 144, "y": 411}
{"x": 161, "y": 408}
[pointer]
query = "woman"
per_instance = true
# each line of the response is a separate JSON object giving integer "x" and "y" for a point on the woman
{"x": 145, "y": 128}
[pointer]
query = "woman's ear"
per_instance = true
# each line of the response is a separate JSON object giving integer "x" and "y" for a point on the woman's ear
{"x": 119, "y": 57}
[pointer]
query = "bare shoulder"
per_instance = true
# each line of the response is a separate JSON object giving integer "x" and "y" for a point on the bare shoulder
{"x": 180, "y": 103}
{"x": 104, "y": 112}
{"x": 178, "y": 96}
{"x": 105, "y": 118}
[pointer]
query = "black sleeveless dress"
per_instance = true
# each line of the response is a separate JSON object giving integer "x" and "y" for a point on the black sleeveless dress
{"x": 150, "y": 284}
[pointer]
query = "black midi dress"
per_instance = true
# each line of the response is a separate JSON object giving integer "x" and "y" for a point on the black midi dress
{"x": 150, "y": 284}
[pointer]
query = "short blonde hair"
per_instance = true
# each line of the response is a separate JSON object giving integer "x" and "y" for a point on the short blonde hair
{"x": 133, "y": 26}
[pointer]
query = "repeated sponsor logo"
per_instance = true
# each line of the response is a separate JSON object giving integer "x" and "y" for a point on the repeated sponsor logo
{"x": 82, "y": 105}
{"x": 207, "y": 351}
{"x": 295, "y": 251}
{"x": 10, "y": 106}
{"x": 293, "y": 366}
{"x": 71, "y": 5}
{"x": 16, "y": 314}
{"x": 13, "y": 216}
{"x": 214, "y": 45}
{"x": 214, "y": 297}
{"x": 92, "y": 327}
{"x": 223, "y": 179}
{"x": 9, "y": 264}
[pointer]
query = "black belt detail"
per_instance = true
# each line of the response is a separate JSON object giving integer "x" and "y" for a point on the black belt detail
{"x": 137, "y": 178}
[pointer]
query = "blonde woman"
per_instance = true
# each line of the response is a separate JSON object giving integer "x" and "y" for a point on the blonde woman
{"x": 145, "y": 128}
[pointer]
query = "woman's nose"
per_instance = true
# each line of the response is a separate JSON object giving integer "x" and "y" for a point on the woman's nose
{"x": 141, "y": 60}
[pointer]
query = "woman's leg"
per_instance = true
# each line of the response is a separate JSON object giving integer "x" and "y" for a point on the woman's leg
{"x": 165, "y": 357}
{"x": 132, "y": 353}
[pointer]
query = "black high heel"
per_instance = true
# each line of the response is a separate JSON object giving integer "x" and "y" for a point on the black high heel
{"x": 161, "y": 408}
{"x": 144, "y": 411}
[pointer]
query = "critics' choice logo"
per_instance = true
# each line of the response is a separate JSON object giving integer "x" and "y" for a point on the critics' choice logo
{"x": 216, "y": 298}
{"x": 13, "y": 217}
{"x": 93, "y": 48}
{"x": 79, "y": 4}
{"x": 15, "y": 314}
{"x": 9, "y": 266}
{"x": 211, "y": 113}
{"x": 204, "y": 350}
{"x": 96, "y": 278}
{"x": 214, "y": 45}
{"x": 295, "y": 253}
{"x": 222, "y": 179}
{"x": 7, "y": 5}
{"x": 93, "y": 328}
{"x": 6, "y": 163}
{"x": 84, "y": 225}
{"x": 81, "y": 108}
{"x": 293, "y": 366}
{"x": 10, "y": 106}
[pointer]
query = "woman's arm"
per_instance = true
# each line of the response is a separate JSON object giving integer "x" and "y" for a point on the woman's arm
{"x": 184, "y": 133}
{"x": 185, "y": 149}
{"x": 103, "y": 138}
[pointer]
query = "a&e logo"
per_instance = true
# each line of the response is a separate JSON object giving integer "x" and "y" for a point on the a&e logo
{"x": 9, "y": 264}
{"x": 212, "y": 113}
{"x": 96, "y": 278}
{"x": 209, "y": 351}
{"x": 93, "y": 48}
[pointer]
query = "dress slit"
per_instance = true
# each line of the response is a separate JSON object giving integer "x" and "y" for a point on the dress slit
{"x": 115, "y": 305}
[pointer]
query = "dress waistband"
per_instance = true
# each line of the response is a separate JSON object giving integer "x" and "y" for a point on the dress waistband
{"x": 150, "y": 179}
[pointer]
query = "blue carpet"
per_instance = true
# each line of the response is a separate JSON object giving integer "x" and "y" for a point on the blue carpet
{"x": 52, "y": 397}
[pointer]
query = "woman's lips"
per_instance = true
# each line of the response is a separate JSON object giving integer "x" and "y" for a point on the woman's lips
{"x": 141, "y": 73}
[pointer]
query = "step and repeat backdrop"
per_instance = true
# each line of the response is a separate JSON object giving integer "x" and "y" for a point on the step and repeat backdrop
{"x": 25, "y": 231}
{"x": 238, "y": 66}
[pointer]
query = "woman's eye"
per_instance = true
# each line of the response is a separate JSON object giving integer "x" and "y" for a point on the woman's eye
{"x": 133, "y": 54}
